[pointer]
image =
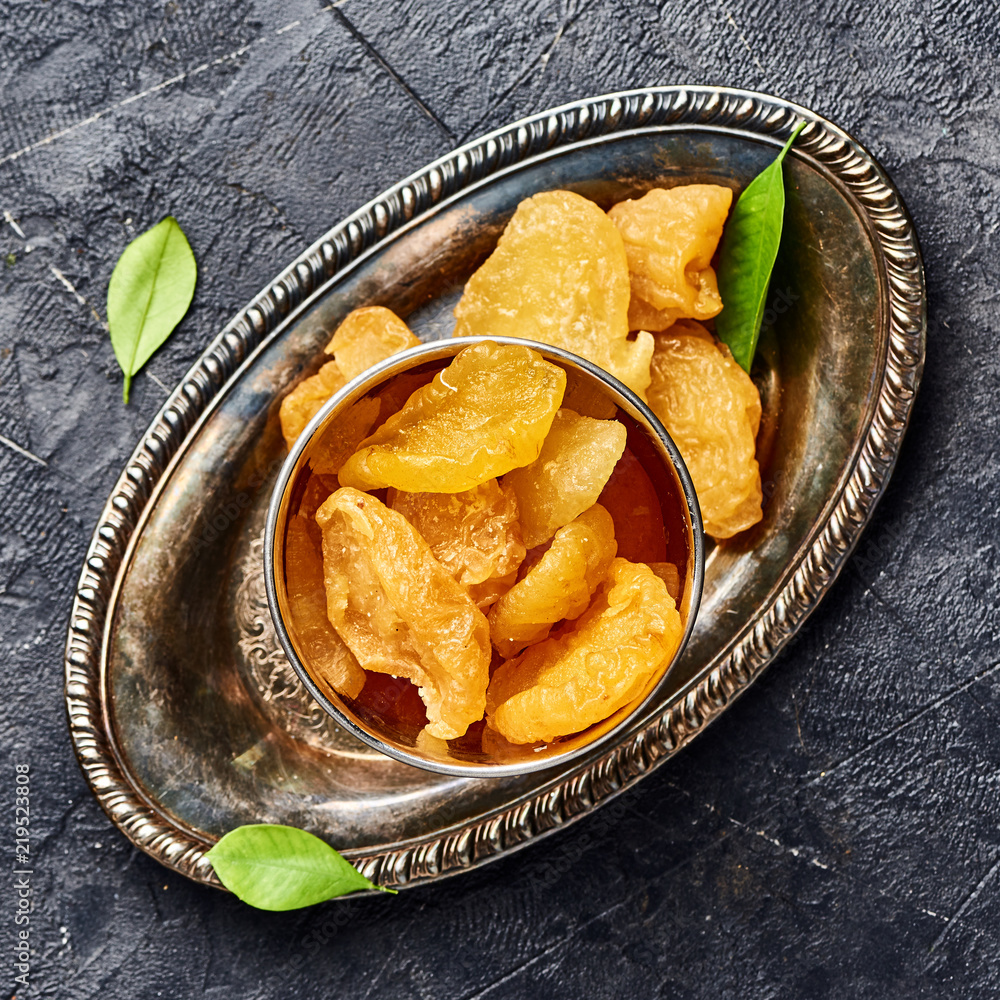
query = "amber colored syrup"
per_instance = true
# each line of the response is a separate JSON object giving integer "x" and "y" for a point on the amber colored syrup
{"x": 645, "y": 504}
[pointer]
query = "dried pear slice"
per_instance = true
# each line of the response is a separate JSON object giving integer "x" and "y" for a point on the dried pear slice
{"x": 475, "y": 535}
{"x": 401, "y": 612}
{"x": 366, "y": 337}
{"x": 307, "y": 399}
{"x": 575, "y": 463}
{"x": 559, "y": 275}
{"x": 711, "y": 408}
{"x": 329, "y": 660}
{"x": 485, "y": 414}
{"x": 595, "y": 667}
{"x": 559, "y": 586}
{"x": 670, "y": 236}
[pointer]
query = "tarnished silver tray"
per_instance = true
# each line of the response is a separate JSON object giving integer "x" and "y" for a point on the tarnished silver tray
{"x": 185, "y": 715}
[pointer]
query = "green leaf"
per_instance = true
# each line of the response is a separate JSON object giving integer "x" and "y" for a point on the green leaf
{"x": 150, "y": 290}
{"x": 749, "y": 249}
{"x": 283, "y": 868}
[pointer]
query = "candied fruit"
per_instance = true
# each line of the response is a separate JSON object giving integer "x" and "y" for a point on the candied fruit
{"x": 307, "y": 399}
{"x": 592, "y": 668}
{"x": 331, "y": 663}
{"x": 475, "y": 535}
{"x": 401, "y": 612}
{"x": 366, "y": 337}
{"x": 485, "y": 414}
{"x": 335, "y": 444}
{"x": 559, "y": 275}
{"x": 576, "y": 460}
{"x": 670, "y": 236}
{"x": 711, "y": 409}
{"x": 559, "y": 586}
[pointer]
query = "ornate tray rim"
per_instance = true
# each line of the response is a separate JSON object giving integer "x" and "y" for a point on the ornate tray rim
{"x": 581, "y": 787}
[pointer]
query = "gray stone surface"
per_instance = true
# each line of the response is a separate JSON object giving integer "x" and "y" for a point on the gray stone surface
{"x": 836, "y": 833}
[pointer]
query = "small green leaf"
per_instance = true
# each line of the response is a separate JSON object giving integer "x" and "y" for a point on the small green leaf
{"x": 150, "y": 290}
{"x": 749, "y": 249}
{"x": 283, "y": 868}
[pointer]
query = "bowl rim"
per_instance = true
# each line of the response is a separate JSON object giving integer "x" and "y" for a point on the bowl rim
{"x": 395, "y": 365}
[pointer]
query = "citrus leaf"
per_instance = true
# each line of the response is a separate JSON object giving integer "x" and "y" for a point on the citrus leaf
{"x": 150, "y": 290}
{"x": 283, "y": 868}
{"x": 749, "y": 250}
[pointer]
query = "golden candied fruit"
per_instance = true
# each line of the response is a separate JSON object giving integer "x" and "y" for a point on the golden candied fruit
{"x": 401, "y": 612}
{"x": 576, "y": 460}
{"x": 485, "y": 414}
{"x": 475, "y": 535}
{"x": 559, "y": 586}
{"x": 559, "y": 275}
{"x": 307, "y": 399}
{"x": 335, "y": 444}
{"x": 592, "y": 668}
{"x": 711, "y": 409}
{"x": 330, "y": 662}
{"x": 366, "y": 337}
{"x": 670, "y": 236}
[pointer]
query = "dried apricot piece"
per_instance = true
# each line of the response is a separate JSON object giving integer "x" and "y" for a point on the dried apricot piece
{"x": 330, "y": 662}
{"x": 485, "y": 414}
{"x": 307, "y": 399}
{"x": 594, "y": 667}
{"x": 401, "y": 612}
{"x": 366, "y": 337}
{"x": 559, "y": 586}
{"x": 474, "y": 535}
{"x": 559, "y": 275}
{"x": 670, "y": 236}
{"x": 711, "y": 409}
{"x": 576, "y": 460}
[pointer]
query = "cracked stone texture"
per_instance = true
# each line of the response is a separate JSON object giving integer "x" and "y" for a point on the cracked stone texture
{"x": 836, "y": 833}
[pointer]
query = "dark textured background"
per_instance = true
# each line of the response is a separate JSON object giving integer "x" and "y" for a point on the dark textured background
{"x": 836, "y": 833}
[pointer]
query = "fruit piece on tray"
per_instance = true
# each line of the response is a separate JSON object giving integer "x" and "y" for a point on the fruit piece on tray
{"x": 307, "y": 399}
{"x": 475, "y": 535}
{"x": 559, "y": 586}
{"x": 575, "y": 463}
{"x": 488, "y": 412}
{"x": 559, "y": 275}
{"x": 593, "y": 667}
{"x": 365, "y": 337}
{"x": 401, "y": 612}
{"x": 711, "y": 408}
{"x": 670, "y": 237}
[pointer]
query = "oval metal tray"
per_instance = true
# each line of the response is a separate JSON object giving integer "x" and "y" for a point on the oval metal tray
{"x": 184, "y": 713}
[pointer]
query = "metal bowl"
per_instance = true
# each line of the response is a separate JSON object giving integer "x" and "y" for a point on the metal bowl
{"x": 593, "y": 393}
